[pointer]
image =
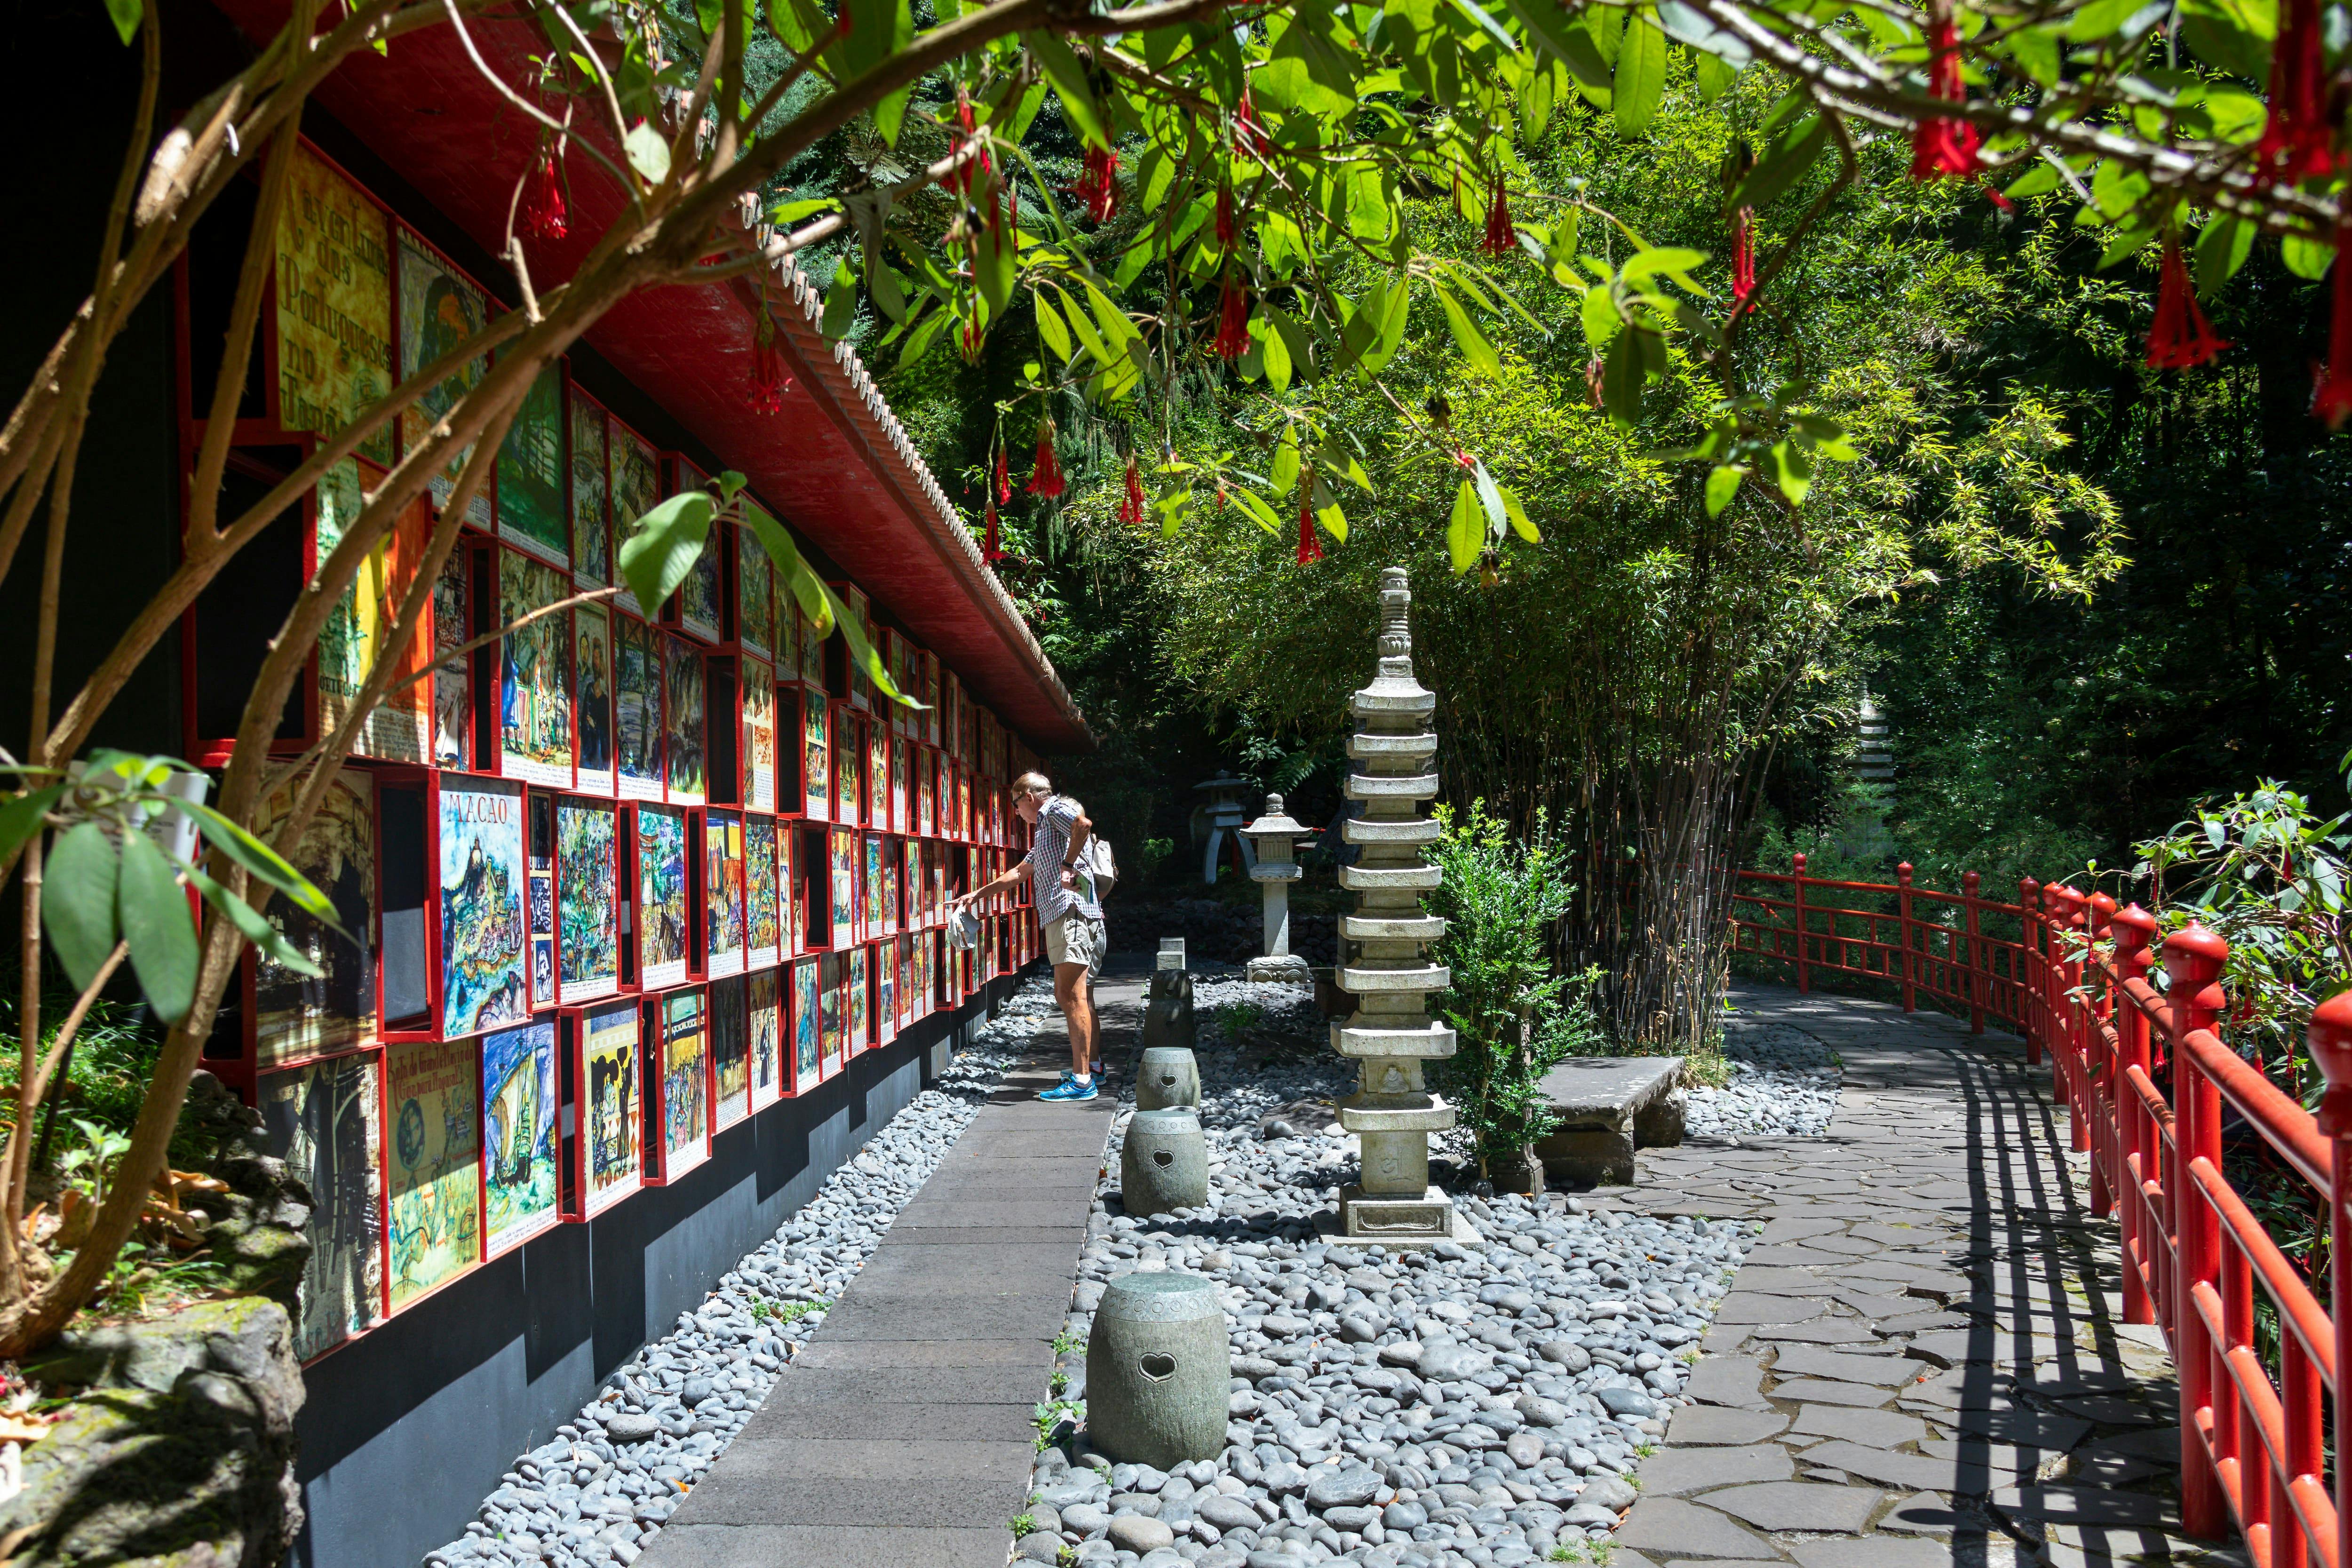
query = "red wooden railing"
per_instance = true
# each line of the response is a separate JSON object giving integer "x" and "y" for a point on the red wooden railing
{"x": 2145, "y": 1078}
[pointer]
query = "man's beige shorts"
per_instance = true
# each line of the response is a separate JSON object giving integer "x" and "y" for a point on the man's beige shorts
{"x": 1074, "y": 939}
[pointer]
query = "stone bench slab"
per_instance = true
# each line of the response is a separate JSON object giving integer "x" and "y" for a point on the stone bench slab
{"x": 1608, "y": 1107}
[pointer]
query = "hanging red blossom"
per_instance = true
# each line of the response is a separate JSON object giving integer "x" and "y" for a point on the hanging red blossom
{"x": 768, "y": 378}
{"x": 2298, "y": 140}
{"x": 988, "y": 549}
{"x": 1593, "y": 372}
{"x": 1003, "y": 474}
{"x": 1225, "y": 230}
{"x": 1309, "y": 547}
{"x": 2180, "y": 336}
{"x": 1743, "y": 256}
{"x": 1131, "y": 506}
{"x": 1220, "y": 495}
{"x": 1046, "y": 478}
{"x": 1500, "y": 238}
{"x": 542, "y": 201}
{"x": 1249, "y": 136}
{"x": 1232, "y": 320}
{"x": 1944, "y": 146}
{"x": 1097, "y": 187}
{"x": 2332, "y": 402}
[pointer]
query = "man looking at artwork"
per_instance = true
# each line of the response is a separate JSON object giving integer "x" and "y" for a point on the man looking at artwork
{"x": 1066, "y": 909}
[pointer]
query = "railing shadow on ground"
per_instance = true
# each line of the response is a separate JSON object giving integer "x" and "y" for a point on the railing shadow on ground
{"x": 2145, "y": 1076}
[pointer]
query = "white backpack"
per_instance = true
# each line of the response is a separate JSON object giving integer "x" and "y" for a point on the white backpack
{"x": 1100, "y": 867}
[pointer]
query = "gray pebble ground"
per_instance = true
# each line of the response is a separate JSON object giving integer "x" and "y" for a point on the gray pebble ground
{"x": 1402, "y": 1408}
{"x": 1784, "y": 1083}
{"x": 611, "y": 1477}
{"x": 1397, "y": 1407}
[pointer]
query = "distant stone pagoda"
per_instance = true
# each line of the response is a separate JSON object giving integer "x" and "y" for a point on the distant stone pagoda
{"x": 1384, "y": 958}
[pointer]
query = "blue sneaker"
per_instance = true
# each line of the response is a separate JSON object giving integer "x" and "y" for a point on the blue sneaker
{"x": 1070, "y": 1088}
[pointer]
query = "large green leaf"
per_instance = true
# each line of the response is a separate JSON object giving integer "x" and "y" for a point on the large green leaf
{"x": 262, "y": 861}
{"x": 657, "y": 558}
{"x": 2221, "y": 249}
{"x": 1465, "y": 531}
{"x": 1622, "y": 375}
{"x": 154, "y": 911}
{"x": 1466, "y": 335}
{"x": 77, "y": 901}
{"x": 250, "y": 924}
{"x": 1641, "y": 78}
{"x": 1069, "y": 79}
{"x": 21, "y": 818}
{"x": 1051, "y": 328}
{"x": 1783, "y": 162}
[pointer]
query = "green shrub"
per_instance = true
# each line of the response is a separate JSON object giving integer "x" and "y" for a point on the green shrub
{"x": 1514, "y": 1014}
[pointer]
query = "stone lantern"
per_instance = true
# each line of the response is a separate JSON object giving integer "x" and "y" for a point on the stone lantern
{"x": 1384, "y": 961}
{"x": 1222, "y": 813}
{"x": 1276, "y": 837}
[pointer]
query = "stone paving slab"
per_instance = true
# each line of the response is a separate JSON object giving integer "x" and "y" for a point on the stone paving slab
{"x": 902, "y": 1435}
{"x": 1922, "y": 1362}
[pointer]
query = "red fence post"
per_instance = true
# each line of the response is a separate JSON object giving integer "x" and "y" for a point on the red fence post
{"x": 2102, "y": 1085}
{"x": 1804, "y": 980}
{"x": 1903, "y": 912}
{"x": 2033, "y": 989}
{"x": 1979, "y": 982}
{"x": 2192, "y": 966}
{"x": 2136, "y": 1159}
{"x": 2331, "y": 1047}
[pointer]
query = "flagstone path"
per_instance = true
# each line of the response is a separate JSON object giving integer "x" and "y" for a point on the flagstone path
{"x": 1923, "y": 1360}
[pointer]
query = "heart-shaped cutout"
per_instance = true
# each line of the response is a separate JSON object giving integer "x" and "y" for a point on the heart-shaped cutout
{"x": 1162, "y": 1157}
{"x": 1168, "y": 1077}
{"x": 1159, "y": 1366}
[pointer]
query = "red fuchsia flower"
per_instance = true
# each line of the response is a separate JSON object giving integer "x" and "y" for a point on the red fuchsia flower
{"x": 1046, "y": 478}
{"x": 1249, "y": 136}
{"x": 2298, "y": 142}
{"x": 1311, "y": 547}
{"x": 988, "y": 549}
{"x": 542, "y": 202}
{"x": 1462, "y": 459}
{"x": 1131, "y": 506}
{"x": 2180, "y": 337}
{"x": 1232, "y": 320}
{"x": 1003, "y": 474}
{"x": 2333, "y": 400}
{"x": 1097, "y": 187}
{"x": 1225, "y": 230}
{"x": 1743, "y": 257}
{"x": 1500, "y": 238}
{"x": 768, "y": 378}
{"x": 1942, "y": 147}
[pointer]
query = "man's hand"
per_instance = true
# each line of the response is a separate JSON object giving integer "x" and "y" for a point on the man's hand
{"x": 1069, "y": 878}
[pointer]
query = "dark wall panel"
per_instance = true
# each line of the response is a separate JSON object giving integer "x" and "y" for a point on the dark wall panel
{"x": 407, "y": 1429}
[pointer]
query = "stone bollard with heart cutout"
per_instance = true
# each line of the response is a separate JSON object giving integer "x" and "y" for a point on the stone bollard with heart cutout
{"x": 1159, "y": 1369}
{"x": 1166, "y": 1077}
{"x": 1165, "y": 1165}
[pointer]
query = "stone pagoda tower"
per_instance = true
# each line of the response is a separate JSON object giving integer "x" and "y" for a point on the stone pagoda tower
{"x": 1384, "y": 945}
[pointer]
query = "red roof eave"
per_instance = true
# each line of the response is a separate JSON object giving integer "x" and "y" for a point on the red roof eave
{"x": 835, "y": 463}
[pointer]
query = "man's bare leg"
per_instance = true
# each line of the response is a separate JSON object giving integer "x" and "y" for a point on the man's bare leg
{"x": 1075, "y": 997}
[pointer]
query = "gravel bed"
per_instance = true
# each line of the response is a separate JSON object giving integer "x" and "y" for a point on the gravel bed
{"x": 611, "y": 1477}
{"x": 1784, "y": 1083}
{"x": 1404, "y": 1408}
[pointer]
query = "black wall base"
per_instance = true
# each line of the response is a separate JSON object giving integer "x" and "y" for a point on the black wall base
{"x": 407, "y": 1429}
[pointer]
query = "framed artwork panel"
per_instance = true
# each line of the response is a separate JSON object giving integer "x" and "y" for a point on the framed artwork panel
{"x": 611, "y": 1106}
{"x": 520, "y": 1107}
